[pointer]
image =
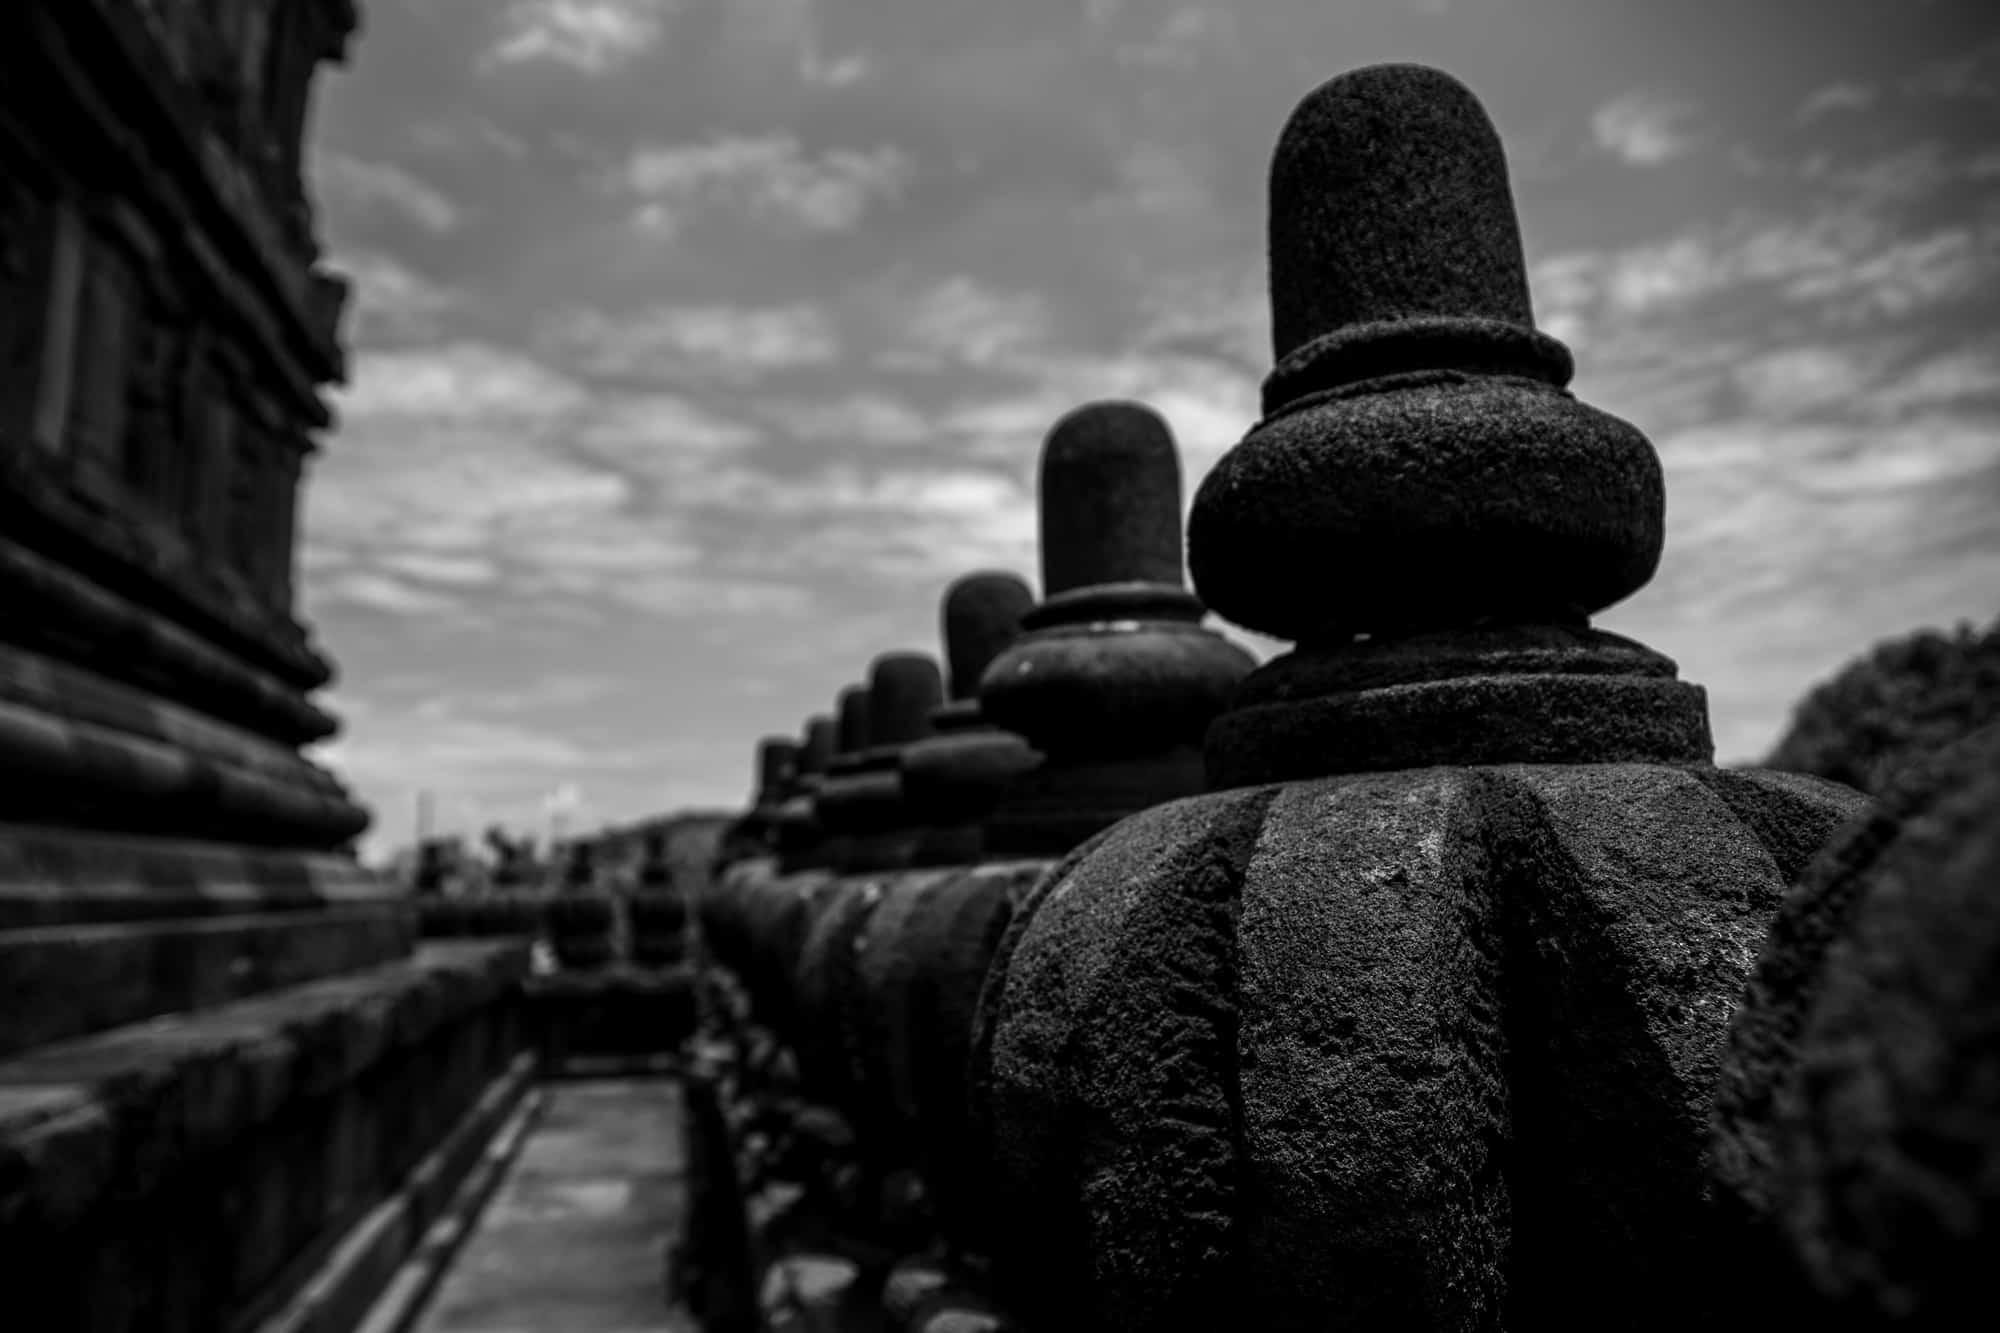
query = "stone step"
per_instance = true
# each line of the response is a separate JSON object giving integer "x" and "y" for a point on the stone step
{"x": 54, "y": 876}
{"x": 572, "y": 1240}
{"x": 75, "y": 694}
{"x": 61, "y": 770}
{"x": 60, "y": 982}
{"x": 112, "y": 1116}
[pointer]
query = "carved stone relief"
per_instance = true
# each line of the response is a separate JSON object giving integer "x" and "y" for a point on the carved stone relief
{"x": 27, "y": 239}
{"x": 103, "y": 359}
{"x": 151, "y": 446}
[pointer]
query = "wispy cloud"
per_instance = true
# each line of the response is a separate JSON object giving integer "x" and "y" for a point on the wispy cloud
{"x": 769, "y": 179}
{"x": 1835, "y": 97}
{"x": 591, "y": 36}
{"x": 392, "y": 303}
{"x": 709, "y": 341}
{"x": 1644, "y": 129}
{"x": 1187, "y": 35}
{"x": 350, "y": 187}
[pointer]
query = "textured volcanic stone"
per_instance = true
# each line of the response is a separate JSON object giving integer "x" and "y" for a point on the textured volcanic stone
{"x": 824, "y": 981}
{"x": 862, "y": 797}
{"x": 903, "y": 689}
{"x": 1415, "y": 425}
{"x": 797, "y": 833}
{"x": 951, "y": 780}
{"x": 821, "y": 736}
{"x": 1114, "y": 678}
{"x": 766, "y": 922}
{"x": 887, "y": 954}
{"x": 851, "y": 727}
{"x": 982, "y": 615}
{"x": 1545, "y": 694}
{"x": 1111, "y": 499}
{"x": 777, "y": 762}
{"x": 1412, "y": 1050}
{"x": 1858, "y": 1114}
{"x": 1414, "y": 1023}
{"x": 850, "y": 743}
{"x": 951, "y": 936}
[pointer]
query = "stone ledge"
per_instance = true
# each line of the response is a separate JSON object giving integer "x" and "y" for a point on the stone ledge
{"x": 377, "y": 1274}
{"x": 52, "y": 876}
{"x": 610, "y": 982}
{"x": 81, "y": 695}
{"x": 114, "y": 1114}
{"x": 61, "y": 982}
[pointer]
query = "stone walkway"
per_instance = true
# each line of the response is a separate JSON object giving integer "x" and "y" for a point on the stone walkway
{"x": 574, "y": 1239}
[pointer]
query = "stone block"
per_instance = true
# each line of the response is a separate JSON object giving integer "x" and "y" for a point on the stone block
{"x": 58, "y": 982}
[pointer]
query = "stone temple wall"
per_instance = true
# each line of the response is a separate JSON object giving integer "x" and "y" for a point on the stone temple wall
{"x": 235, "y": 1088}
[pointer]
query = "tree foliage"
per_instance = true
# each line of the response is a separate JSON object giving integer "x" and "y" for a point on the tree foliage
{"x": 1904, "y": 699}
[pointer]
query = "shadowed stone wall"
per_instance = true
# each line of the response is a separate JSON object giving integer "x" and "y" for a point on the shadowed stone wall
{"x": 232, "y": 1086}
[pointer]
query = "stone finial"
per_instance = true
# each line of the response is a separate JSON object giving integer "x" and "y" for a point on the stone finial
{"x": 1418, "y": 465}
{"x": 1110, "y": 500}
{"x": 798, "y": 833}
{"x": 952, "y": 779}
{"x": 1113, "y": 678}
{"x": 860, "y": 803}
{"x": 851, "y": 730}
{"x": 1423, "y": 509}
{"x": 982, "y": 614}
{"x": 777, "y": 759}
{"x": 817, "y": 746}
{"x": 903, "y": 688}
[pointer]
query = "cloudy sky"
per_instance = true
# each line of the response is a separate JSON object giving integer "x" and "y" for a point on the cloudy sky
{"x": 699, "y": 343}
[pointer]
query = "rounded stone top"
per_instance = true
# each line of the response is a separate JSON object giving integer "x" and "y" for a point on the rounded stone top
{"x": 903, "y": 688}
{"x": 1110, "y": 499}
{"x": 1419, "y": 466}
{"x": 777, "y": 759}
{"x": 1390, "y": 211}
{"x": 982, "y": 615}
{"x": 820, "y": 739}
{"x": 851, "y": 731}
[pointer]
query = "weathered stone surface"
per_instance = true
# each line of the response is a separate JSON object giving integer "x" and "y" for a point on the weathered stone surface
{"x": 64, "y": 981}
{"x": 851, "y": 728}
{"x": 982, "y": 614}
{"x": 861, "y": 800}
{"x": 1102, "y": 1059}
{"x": 116, "y": 1114}
{"x": 1857, "y": 1119}
{"x": 777, "y": 765}
{"x": 225, "y": 1070}
{"x": 827, "y": 989}
{"x": 951, "y": 937}
{"x": 609, "y": 1012}
{"x": 659, "y": 928}
{"x": 1110, "y": 499}
{"x": 1427, "y": 1049}
{"x": 797, "y": 833}
{"x": 888, "y": 955}
{"x": 1415, "y": 424}
{"x": 952, "y": 780}
{"x": 51, "y": 876}
{"x": 903, "y": 690}
{"x": 220, "y": 1239}
{"x": 1113, "y": 672}
{"x": 1545, "y": 694}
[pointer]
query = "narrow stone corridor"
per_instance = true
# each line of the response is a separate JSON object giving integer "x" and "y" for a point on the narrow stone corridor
{"x": 574, "y": 1238}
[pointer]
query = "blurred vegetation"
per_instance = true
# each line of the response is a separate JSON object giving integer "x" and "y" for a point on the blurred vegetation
{"x": 1903, "y": 700}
